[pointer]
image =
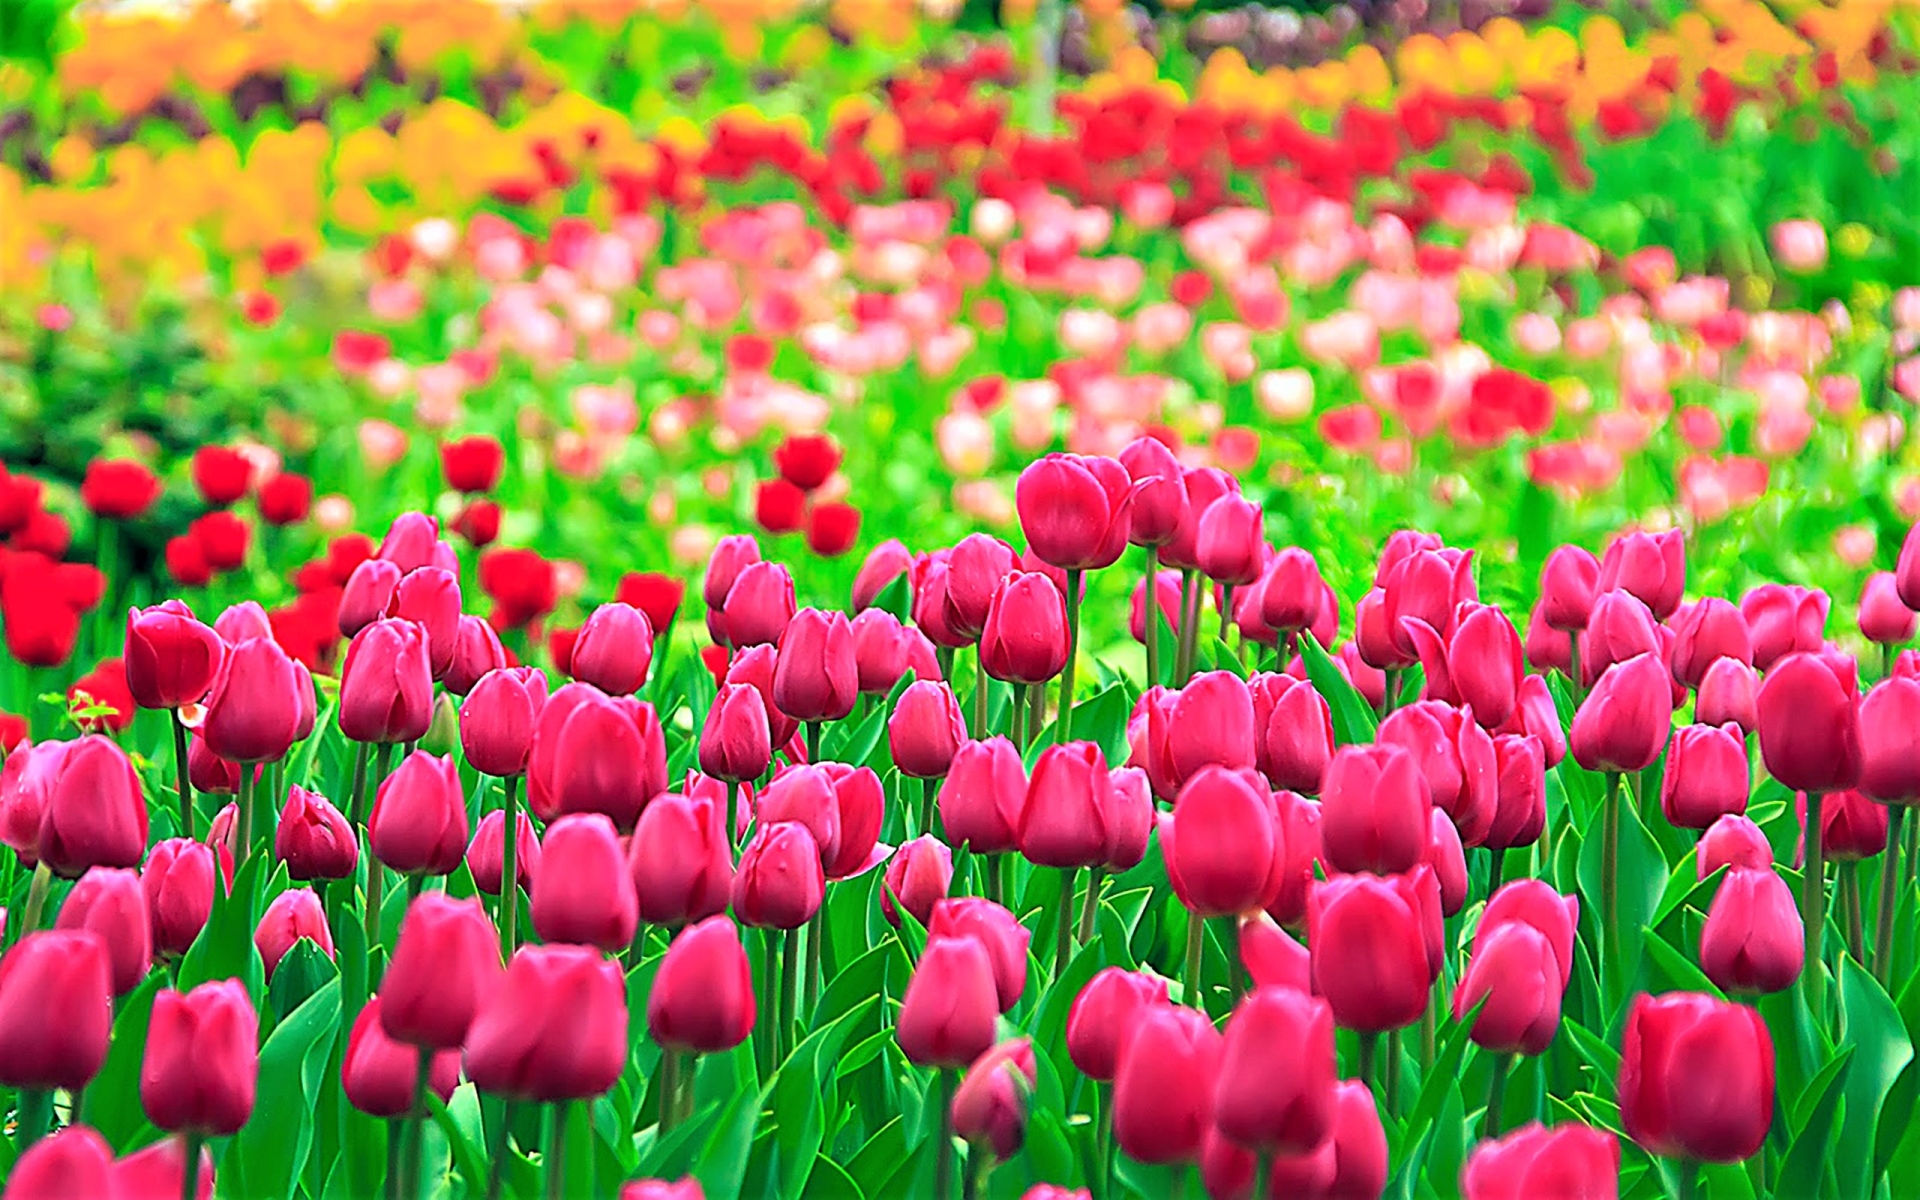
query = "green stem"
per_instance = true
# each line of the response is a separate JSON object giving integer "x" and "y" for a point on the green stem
{"x": 184, "y": 784}
{"x": 1369, "y": 1052}
{"x": 993, "y": 878}
{"x": 190, "y": 1177}
{"x": 1016, "y": 719}
{"x": 1196, "y": 939}
{"x": 499, "y": 1146}
{"x": 816, "y": 937}
{"x": 669, "y": 1089}
{"x": 1036, "y": 712}
{"x": 1151, "y": 608}
{"x": 1889, "y": 891}
{"x": 943, "y": 1148}
{"x": 1064, "y": 723}
{"x": 396, "y": 1155}
{"x": 1189, "y": 619}
{"x": 1392, "y": 697}
{"x": 1063, "y": 921}
{"x": 770, "y": 1006}
{"x": 1850, "y": 896}
{"x": 249, "y": 786}
{"x": 1090, "y": 910}
{"x": 1496, "y": 1093}
{"x": 510, "y": 869}
{"x": 1226, "y": 613}
{"x": 1813, "y": 912}
{"x": 789, "y": 983}
{"x": 982, "y": 699}
{"x": 1496, "y": 871}
{"x": 417, "y": 1128}
{"x": 1574, "y": 679}
{"x": 357, "y": 798}
{"x": 1612, "y": 937}
{"x": 556, "y": 1153}
{"x": 929, "y": 790}
{"x": 1391, "y": 1072}
{"x": 33, "y": 1110}
{"x": 1687, "y": 1176}
{"x": 36, "y": 897}
{"x": 814, "y": 729}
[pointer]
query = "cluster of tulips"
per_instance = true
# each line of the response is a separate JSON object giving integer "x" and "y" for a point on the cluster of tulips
{"x": 498, "y": 912}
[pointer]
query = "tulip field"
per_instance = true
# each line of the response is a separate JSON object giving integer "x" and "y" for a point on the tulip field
{"x": 1041, "y": 600}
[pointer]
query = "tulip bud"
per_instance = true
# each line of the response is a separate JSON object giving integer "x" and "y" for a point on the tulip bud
{"x": 815, "y": 677}
{"x": 805, "y": 794}
{"x": 884, "y": 563}
{"x": 585, "y": 893}
{"x": 1277, "y": 1072}
{"x": 476, "y": 651}
{"x": 1784, "y": 620}
{"x": 379, "y": 1074}
{"x": 925, "y": 730}
{"x": 995, "y": 928}
{"x": 1104, "y": 1015}
{"x": 779, "y": 883}
{"x": 201, "y": 1059}
{"x": 554, "y": 1029}
{"x": 171, "y": 659}
{"x": 731, "y": 555}
{"x": 918, "y": 875}
{"x": 1620, "y": 628}
{"x": 1514, "y": 976}
{"x": 1706, "y": 776}
{"x": 1291, "y": 597}
{"x": 758, "y": 606}
{"x": 1534, "y": 903}
{"x": 1533, "y": 1160}
{"x": 614, "y": 650}
{"x": 371, "y": 593}
{"x": 314, "y": 839}
{"x": 254, "y": 708}
{"x": 1427, "y": 585}
{"x": 702, "y": 1000}
{"x": 419, "y": 820}
{"x": 1448, "y": 861}
{"x": 209, "y": 773}
{"x": 1370, "y": 959}
{"x": 882, "y": 650}
{"x": 1300, "y": 853}
{"x": 430, "y": 598}
{"x": 1375, "y": 811}
{"x": 1231, "y": 541}
{"x": 1625, "y": 721}
{"x": 1064, "y": 823}
{"x": 486, "y": 853}
{"x": 1211, "y": 723}
{"x": 1484, "y": 662}
{"x": 498, "y": 719}
{"x": 1809, "y": 722}
{"x": 983, "y": 796}
{"x": 1884, "y": 618}
{"x": 1163, "y": 1093}
{"x": 294, "y": 914}
{"x": 1651, "y": 566}
{"x": 1889, "y": 717}
{"x": 659, "y": 1189}
{"x": 1728, "y": 695}
{"x": 1159, "y": 492}
{"x": 735, "y": 742}
{"x": 159, "y": 1171}
{"x": 1703, "y": 634}
{"x": 1352, "y": 1162}
{"x": 1753, "y": 941}
{"x": 1075, "y": 511}
{"x": 92, "y": 812}
{"x": 1220, "y": 842}
{"x": 948, "y": 1011}
{"x": 1569, "y": 581}
{"x": 1456, "y": 757}
{"x": 1166, "y": 599}
{"x": 861, "y": 802}
{"x": 1733, "y": 842}
{"x": 1024, "y": 639}
{"x": 56, "y": 1009}
{"x": 595, "y": 753}
{"x": 446, "y": 962}
{"x": 1272, "y": 957}
{"x": 990, "y": 1106}
{"x": 178, "y": 882}
{"x": 113, "y": 904}
{"x": 76, "y": 1161}
{"x": 1852, "y": 827}
{"x": 975, "y": 568}
{"x": 1696, "y": 1077}
{"x": 386, "y": 686}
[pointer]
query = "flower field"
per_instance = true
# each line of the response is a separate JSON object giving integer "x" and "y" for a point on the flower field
{"x": 828, "y": 601}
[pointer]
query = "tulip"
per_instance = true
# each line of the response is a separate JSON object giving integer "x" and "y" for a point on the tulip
{"x": 1064, "y": 823}
{"x": 1212, "y": 724}
{"x": 486, "y": 853}
{"x": 815, "y": 677}
{"x": 419, "y": 820}
{"x": 1076, "y": 512}
{"x": 861, "y": 802}
{"x": 202, "y": 1056}
{"x": 1733, "y": 842}
{"x": 498, "y": 719}
{"x": 1456, "y": 757}
{"x": 1884, "y": 617}
{"x": 805, "y": 794}
{"x": 1705, "y": 633}
{"x": 178, "y": 882}
{"x": 446, "y": 962}
{"x": 779, "y": 882}
{"x": 1426, "y": 584}
{"x": 1483, "y": 659}
{"x": 884, "y": 563}
{"x": 386, "y": 686}
{"x": 1889, "y": 723}
{"x": 56, "y": 1009}
{"x": 1784, "y": 620}
{"x": 313, "y": 838}
{"x": 1728, "y": 693}
{"x": 1852, "y": 827}
{"x": 554, "y": 1029}
{"x": 1809, "y": 723}
{"x": 1514, "y": 978}
{"x": 930, "y": 575}
{"x": 239, "y": 622}
{"x": 1625, "y": 721}
{"x": 702, "y": 998}
{"x": 430, "y": 598}
{"x": 1231, "y": 542}
{"x": 1569, "y": 581}
{"x": 92, "y": 813}
{"x": 614, "y": 650}
{"x": 948, "y": 1011}
{"x": 1024, "y": 639}
{"x": 294, "y": 914}
{"x": 681, "y": 860}
{"x": 1622, "y": 627}
{"x": 926, "y": 730}
{"x": 1277, "y": 1073}
{"x": 758, "y": 606}
{"x": 413, "y": 541}
{"x": 1448, "y": 861}
{"x": 1906, "y": 572}
{"x": 659, "y": 1189}
{"x": 371, "y": 593}
{"x": 731, "y": 555}
{"x": 1547, "y": 648}
{"x": 1296, "y": 738}
{"x": 1163, "y": 1092}
{"x": 735, "y": 742}
{"x": 1159, "y": 492}
{"x": 1696, "y": 1078}
{"x": 1651, "y": 566}
{"x": 113, "y": 904}
{"x": 1166, "y": 599}
{"x": 918, "y": 875}
{"x": 253, "y": 709}
{"x": 585, "y": 893}
{"x": 171, "y": 658}
{"x": 1567, "y": 1160}
{"x": 1369, "y": 952}
{"x": 1375, "y": 810}
{"x": 476, "y": 651}
{"x": 1534, "y": 903}
{"x": 1520, "y": 815}
{"x": 975, "y": 568}
{"x": 1752, "y": 941}
{"x": 1706, "y": 776}
{"x": 1105, "y": 1014}
{"x": 884, "y": 650}
{"x": 1272, "y": 957}
{"x": 984, "y": 796}
{"x": 1298, "y": 825}
{"x": 1220, "y": 844}
{"x": 1292, "y": 595}
{"x": 76, "y": 1161}
{"x": 990, "y": 1106}
{"x": 159, "y": 1171}
{"x": 379, "y": 1074}
{"x": 595, "y": 753}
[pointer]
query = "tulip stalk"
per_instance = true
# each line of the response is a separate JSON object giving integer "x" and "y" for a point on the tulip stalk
{"x": 789, "y": 984}
{"x": 36, "y": 898}
{"x": 416, "y": 1128}
{"x": 1090, "y": 910}
{"x": 1889, "y": 889}
{"x": 982, "y": 698}
{"x": 510, "y": 869}
{"x": 1850, "y": 896}
{"x": 1573, "y": 669}
{"x": 1151, "y": 607}
{"x": 1813, "y": 911}
{"x": 33, "y": 1111}
{"x": 1497, "y": 1093}
{"x": 669, "y": 1090}
{"x": 556, "y": 1155}
{"x": 190, "y": 1176}
{"x": 1065, "y": 720}
{"x": 1610, "y": 880}
{"x": 816, "y": 938}
{"x": 929, "y": 790}
{"x": 1036, "y": 712}
{"x": 1196, "y": 940}
{"x": 943, "y": 1149}
{"x": 184, "y": 784}
{"x": 1189, "y": 620}
{"x": 249, "y": 788}
{"x": 1063, "y": 921}
{"x": 376, "y": 873}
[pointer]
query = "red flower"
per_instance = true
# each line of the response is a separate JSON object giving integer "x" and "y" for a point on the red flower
{"x": 259, "y": 308}
{"x": 222, "y": 474}
{"x": 779, "y": 506}
{"x": 832, "y": 529}
{"x": 355, "y": 351}
{"x": 187, "y": 562}
{"x": 473, "y": 464}
{"x": 223, "y": 539}
{"x": 478, "y": 522}
{"x": 119, "y": 489}
{"x": 282, "y": 256}
{"x": 521, "y": 584}
{"x": 806, "y": 462}
{"x": 104, "y": 687}
{"x": 285, "y": 499}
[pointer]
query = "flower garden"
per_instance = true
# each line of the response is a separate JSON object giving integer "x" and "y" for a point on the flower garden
{"x": 763, "y": 599}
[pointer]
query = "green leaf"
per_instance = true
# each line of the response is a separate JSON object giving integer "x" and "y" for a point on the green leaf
{"x": 270, "y": 1152}
{"x": 1808, "y": 1157}
{"x": 1443, "y": 1079}
{"x": 1100, "y": 719}
{"x": 1353, "y": 717}
{"x": 460, "y": 1122}
{"x": 896, "y": 598}
{"x": 830, "y": 1181}
{"x": 1674, "y": 971}
{"x": 721, "y": 1166}
{"x": 112, "y": 1102}
{"x": 1882, "y": 1052}
{"x": 224, "y": 949}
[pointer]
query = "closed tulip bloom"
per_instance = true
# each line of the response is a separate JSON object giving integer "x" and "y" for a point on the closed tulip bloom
{"x": 1538, "y": 716}
{"x": 1729, "y": 694}
{"x": 918, "y": 876}
{"x": 1753, "y": 941}
{"x": 379, "y": 1074}
{"x": 1696, "y": 1077}
{"x": 584, "y": 893}
{"x": 1299, "y": 823}
{"x": 1484, "y": 659}
{"x": 1130, "y": 819}
{"x": 413, "y": 541}
{"x": 1808, "y": 709}
{"x": 1272, "y": 957}
{"x": 948, "y": 1012}
{"x": 1231, "y": 541}
{"x": 983, "y": 796}
{"x": 1277, "y": 1073}
{"x": 1455, "y": 755}
{"x": 1291, "y": 598}
{"x": 1852, "y": 827}
{"x": 76, "y": 1161}
{"x": 1884, "y": 617}
{"x": 680, "y": 860}
{"x": 975, "y": 567}
{"x": 1514, "y": 975}
{"x": 1448, "y": 861}
{"x": 779, "y": 882}
{"x": 1220, "y": 842}
{"x": 1375, "y": 811}
{"x": 1025, "y": 637}
{"x": 1369, "y": 950}
{"x": 1534, "y": 903}
{"x": 1520, "y": 815}
{"x": 702, "y": 999}
{"x": 386, "y": 686}
{"x": 1166, "y": 597}
{"x": 1706, "y": 776}
{"x": 1105, "y": 1014}
{"x": 1547, "y": 648}
{"x": 1784, "y": 620}
{"x": 614, "y": 649}
{"x": 990, "y": 1105}
{"x": 486, "y": 853}
{"x": 1652, "y": 566}
{"x": 554, "y": 1029}
{"x": 202, "y": 1058}
{"x": 995, "y": 928}
{"x": 1159, "y": 491}
{"x": 171, "y": 658}
{"x": 1373, "y": 635}
{"x": 815, "y": 677}
{"x": 1428, "y": 585}
{"x": 1570, "y": 1161}
{"x": 805, "y": 794}
{"x": 446, "y": 962}
{"x": 759, "y": 605}
{"x": 476, "y": 651}
{"x": 371, "y": 593}
{"x": 419, "y": 819}
{"x": 595, "y": 753}
{"x": 294, "y": 914}
{"x": 253, "y": 710}
{"x": 1204, "y": 486}
{"x": 92, "y": 813}
{"x": 660, "y": 1189}
{"x": 113, "y": 904}
{"x": 1625, "y": 721}
{"x": 1064, "y": 823}
{"x": 430, "y": 598}
{"x": 930, "y": 576}
{"x": 498, "y": 718}
{"x": 1890, "y": 741}
{"x": 238, "y": 622}
{"x": 925, "y": 730}
{"x": 313, "y": 838}
{"x": 735, "y": 743}
{"x": 884, "y": 651}
{"x": 1211, "y": 724}
{"x": 1622, "y": 627}
{"x": 1569, "y": 581}
{"x": 56, "y": 1009}
{"x": 1733, "y": 842}
{"x": 178, "y": 881}
{"x": 731, "y": 555}
{"x": 1075, "y": 511}
{"x": 1163, "y": 1094}
{"x": 884, "y": 563}
{"x": 1704, "y": 633}
{"x": 861, "y": 801}
{"x": 159, "y": 1171}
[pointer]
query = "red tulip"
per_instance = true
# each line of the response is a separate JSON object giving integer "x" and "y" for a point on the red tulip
{"x": 997, "y": 929}
{"x": 171, "y": 658}
{"x": 222, "y": 474}
{"x": 476, "y": 651}
{"x": 1277, "y": 1073}
{"x": 386, "y": 686}
{"x": 614, "y": 650}
{"x": 1569, "y": 581}
{"x": 446, "y": 962}
{"x": 1651, "y": 566}
{"x": 554, "y": 1029}
{"x": 918, "y": 876}
{"x": 584, "y": 894}
{"x": 1291, "y": 594}
{"x": 1375, "y": 811}
{"x": 498, "y": 719}
{"x": 371, "y": 593}
{"x": 159, "y": 1171}
{"x": 1514, "y": 976}
{"x": 472, "y": 464}
{"x": 861, "y": 802}
{"x": 1484, "y": 660}
{"x": 948, "y": 1011}
{"x": 1622, "y": 627}
{"x": 595, "y": 753}
{"x": 1734, "y": 842}
{"x": 254, "y": 708}
{"x": 202, "y": 1056}
{"x": 413, "y": 541}
{"x": 1163, "y": 1094}
{"x": 118, "y": 489}
{"x": 76, "y": 1161}
{"x": 56, "y": 1009}
{"x": 983, "y": 796}
{"x": 1105, "y": 1014}
{"x": 1706, "y": 776}
{"x": 487, "y": 852}
{"x": 1166, "y": 597}
{"x": 815, "y": 677}
{"x": 1076, "y": 511}
{"x": 1625, "y": 721}
{"x": 1204, "y": 485}
{"x": 1159, "y": 492}
{"x": 1220, "y": 843}
{"x": 702, "y": 999}
{"x": 294, "y": 914}
{"x": 805, "y": 794}
{"x": 925, "y": 730}
{"x": 1210, "y": 723}
{"x": 1428, "y": 585}
{"x": 1696, "y": 1077}
{"x": 419, "y": 819}
{"x": 1024, "y": 639}
{"x": 1299, "y": 825}
{"x": 1809, "y": 722}
{"x": 735, "y": 743}
{"x": 1784, "y": 620}
{"x": 1231, "y": 541}
{"x": 1064, "y": 823}
{"x": 758, "y": 606}
{"x": 1728, "y": 696}
{"x": 430, "y": 598}
{"x": 223, "y": 538}
{"x": 1448, "y": 861}
{"x": 113, "y": 904}
{"x": 731, "y": 555}
{"x": 379, "y": 1074}
{"x": 884, "y": 563}
{"x": 1753, "y": 941}
{"x": 88, "y": 797}
{"x": 1852, "y": 827}
{"x": 882, "y": 650}
{"x": 1521, "y": 813}
{"x": 990, "y": 1106}
{"x": 1534, "y": 903}
{"x": 1272, "y": 957}
{"x": 1704, "y": 633}
{"x": 807, "y": 460}
{"x": 1890, "y": 741}
{"x": 1568, "y": 1160}
{"x": 779, "y": 883}
{"x": 1884, "y": 618}
{"x": 975, "y": 568}
{"x": 1547, "y": 648}
{"x": 680, "y": 860}
{"x": 778, "y": 506}
{"x": 285, "y": 499}
{"x": 178, "y": 882}
{"x": 756, "y": 666}
{"x": 1369, "y": 948}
